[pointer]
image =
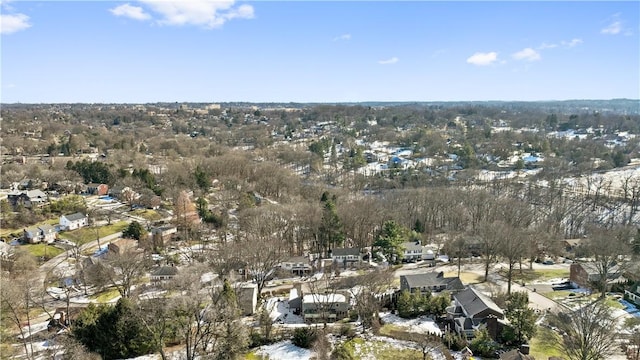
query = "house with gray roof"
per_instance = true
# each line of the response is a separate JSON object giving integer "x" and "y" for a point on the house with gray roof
{"x": 73, "y": 221}
{"x": 430, "y": 282}
{"x": 412, "y": 251}
{"x": 41, "y": 233}
{"x": 345, "y": 255}
{"x": 472, "y": 311}
{"x": 163, "y": 273}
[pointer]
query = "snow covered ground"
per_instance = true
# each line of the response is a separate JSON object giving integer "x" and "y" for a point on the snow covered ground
{"x": 284, "y": 350}
{"x": 422, "y": 325}
{"x": 281, "y": 313}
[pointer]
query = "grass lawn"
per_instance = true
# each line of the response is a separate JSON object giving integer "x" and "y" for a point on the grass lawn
{"x": 381, "y": 350}
{"x": 87, "y": 234}
{"x": 466, "y": 277}
{"x": 560, "y": 294}
{"x": 148, "y": 214}
{"x": 529, "y": 276}
{"x": 543, "y": 344}
{"x": 105, "y": 296}
{"x": 43, "y": 250}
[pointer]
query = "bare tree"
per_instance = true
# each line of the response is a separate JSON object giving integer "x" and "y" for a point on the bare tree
{"x": 588, "y": 333}
{"x": 125, "y": 268}
{"x": 609, "y": 248}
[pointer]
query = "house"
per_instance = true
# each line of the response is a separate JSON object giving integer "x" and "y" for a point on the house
{"x": 247, "y": 295}
{"x": 28, "y": 198}
{"x": 517, "y": 354}
{"x": 586, "y": 275}
{"x": 571, "y": 245}
{"x": 163, "y": 273}
{"x": 97, "y": 189}
{"x": 42, "y": 233}
{"x": 472, "y": 311}
{"x": 412, "y": 251}
{"x": 162, "y": 235}
{"x": 633, "y": 293}
{"x": 73, "y": 221}
{"x": 430, "y": 282}
{"x": 297, "y": 265}
{"x": 325, "y": 307}
{"x": 345, "y": 255}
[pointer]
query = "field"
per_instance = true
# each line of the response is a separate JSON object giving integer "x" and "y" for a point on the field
{"x": 466, "y": 277}
{"x": 544, "y": 344}
{"x": 87, "y": 234}
{"x": 147, "y": 214}
{"x": 43, "y": 250}
{"x": 540, "y": 275}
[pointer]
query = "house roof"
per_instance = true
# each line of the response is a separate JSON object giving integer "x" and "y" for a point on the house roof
{"x": 75, "y": 217}
{"x": 591, "y": 268}
{"x": 411, "y": 245}
{"x": 432, "y": 279}
{"x": 33, "y": 194}
{"x": 515, "y": 355}
{"x": 164, "y": 271}
{"x": 324, "y": 298}
{"x": 345, "y": 252}
{"x": 474, "y": 302}
{"x": 46, "y": 228}
{"x": 297, "y": 259}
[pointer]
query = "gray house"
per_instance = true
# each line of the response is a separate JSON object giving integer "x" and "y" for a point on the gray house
{"x": 325, "y": 307}
{"x": 430, "y": 282}
{"x": 472, "y": 311}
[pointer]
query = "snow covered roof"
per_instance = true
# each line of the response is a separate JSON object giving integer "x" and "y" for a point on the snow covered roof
{"x": 324, "y": 298}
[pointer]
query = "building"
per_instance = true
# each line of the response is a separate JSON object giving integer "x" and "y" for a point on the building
{"x": 345, "y": 256}
{"x": 472, "y": 311}
{"x": 297, "y": 265}
{"x": 517, "y": 354}
{"x": 587, "y": 275}
{"x": 247, "y": 295}
{"x": 73, "y": 221}
{"x": 41, "y": 233}
{"x": 325, "y": 307}
{"x": 633, "y": 293}
{"x": 163, "y": 273}
{"x": 430, "y": 282}
{"x": 97, "y": 189}
{"x": 412, "y": 251}
{"x": 162, "y": 235}
{"x": 28, "y": 198}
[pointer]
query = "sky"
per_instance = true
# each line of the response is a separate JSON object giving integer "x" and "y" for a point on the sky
{"x": 317, "y": 51}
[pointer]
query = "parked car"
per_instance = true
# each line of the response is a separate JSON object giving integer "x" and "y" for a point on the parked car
{"x": 548, "y": 262}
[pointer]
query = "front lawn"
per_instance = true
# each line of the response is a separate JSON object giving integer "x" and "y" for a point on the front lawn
{"x": 88, "y": 234}
{"x": 147, "y": 214}
{"x": 529, "y": 276}
{"x": 466, "y": 277}
{"x": 43, "y": 250}
{"x": 545, "y": 344}
{"x": 105, "y": 296}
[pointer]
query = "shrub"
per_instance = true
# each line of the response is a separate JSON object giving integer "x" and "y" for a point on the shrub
{"x": 304, "y": 337}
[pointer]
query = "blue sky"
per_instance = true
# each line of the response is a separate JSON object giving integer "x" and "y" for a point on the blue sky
{"x": 332, "y": 51}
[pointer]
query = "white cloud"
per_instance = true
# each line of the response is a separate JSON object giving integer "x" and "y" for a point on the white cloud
{"x": 133, "y": 12}
{"x": 547, "y": 46}
{"x": 613, "y": 28}
{"x": 12, "y": 23}
{"x": 572, "y": 43}
{"x": 483, "y": 59}
{"x": 342, "y": 37}
{"x": 527, "y": 54}
{"x": 204, "y": 13}
{"x": 393, "y": 60}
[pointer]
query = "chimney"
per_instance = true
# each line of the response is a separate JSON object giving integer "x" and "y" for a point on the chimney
{"x": 524, "y": 349}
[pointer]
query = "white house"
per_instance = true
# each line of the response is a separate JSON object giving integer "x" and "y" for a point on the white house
{"x": 345, "y": 255}
{"x": 73, "y": 221}
{"x": 412, "y": 251}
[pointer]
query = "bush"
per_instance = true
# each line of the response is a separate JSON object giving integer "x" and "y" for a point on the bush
{"x": 342, "y": 352}
{"x": 304, "y": 337}
{"x": 347, "y": 331}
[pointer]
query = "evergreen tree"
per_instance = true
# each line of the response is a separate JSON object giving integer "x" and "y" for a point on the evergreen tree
{"x": 522, "y": 318}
